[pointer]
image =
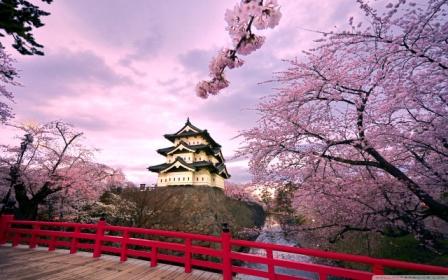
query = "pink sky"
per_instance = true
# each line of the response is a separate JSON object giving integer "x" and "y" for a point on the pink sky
{"x": 125, "y": 73}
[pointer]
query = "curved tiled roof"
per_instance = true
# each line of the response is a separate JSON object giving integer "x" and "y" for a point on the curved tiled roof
{"x": 195, "y": 131}
{"x": 196, "y": 148}
{"x": 218, "y": 168}
{"x": 203, "y": 133}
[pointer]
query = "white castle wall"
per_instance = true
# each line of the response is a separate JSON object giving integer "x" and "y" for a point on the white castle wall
{"x": 191, "y": 140}
{"x": 188, "y": 157}
{"x": 175, "y": 179}
{"x": 198, "y": 178}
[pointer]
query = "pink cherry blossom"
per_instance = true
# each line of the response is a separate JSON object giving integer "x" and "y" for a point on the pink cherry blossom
{"x": 240, "y": 19}
{"x": 211, "y": 87}
{"x": 269, "y": 17}
{"x": 7, "y": 74}
{"x": 251, "y": 44}
{"x": 359, "y": 125}
{"x": 225, "y": 58}
{"x": 55, "y": 165}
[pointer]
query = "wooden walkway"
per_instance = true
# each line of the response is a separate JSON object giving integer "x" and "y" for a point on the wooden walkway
{"x": 31, "y": 264}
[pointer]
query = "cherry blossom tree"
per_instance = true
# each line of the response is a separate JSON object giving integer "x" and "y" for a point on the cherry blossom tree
{"x": 261, "y": 14}
{"x": 18, "y": 18}
{"x": 241, "y": 192}
{"x": 70, "y": 203}
{"x": 52, "y": 165}
{"x": 359, "y": 124}
{"x": 7, "y": 75}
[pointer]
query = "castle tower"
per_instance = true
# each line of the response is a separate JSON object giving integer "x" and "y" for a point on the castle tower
{"x": 194, "y": 159}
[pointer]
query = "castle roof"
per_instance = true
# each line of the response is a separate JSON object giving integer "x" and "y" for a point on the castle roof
{"x": 190, "y": 130}
{"x": 182, "y": 147}
{"x": 180, "y": 165}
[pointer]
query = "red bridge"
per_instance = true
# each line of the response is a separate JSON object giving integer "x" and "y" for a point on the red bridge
{"x": 186, "y": 248}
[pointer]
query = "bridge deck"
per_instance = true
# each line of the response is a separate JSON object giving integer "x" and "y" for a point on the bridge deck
{"x": 22, "y": 263}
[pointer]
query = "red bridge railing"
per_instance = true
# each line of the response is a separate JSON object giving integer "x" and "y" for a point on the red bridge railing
{"x": 137, "y": 242}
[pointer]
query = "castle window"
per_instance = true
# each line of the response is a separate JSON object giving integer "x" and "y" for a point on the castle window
{"x": 169, "y": 179}
{"x": 197, "y": 178}
{"x": 183, "y": 178}
{"x": 165, "y": 180}
{"x": 202, "y": 178}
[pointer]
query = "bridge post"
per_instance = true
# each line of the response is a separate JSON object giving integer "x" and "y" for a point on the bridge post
{"x": 226, "y": 250}
{"x": 271, "y": 267}
{"x": 74, "y": 242}
{"x": 5, "y": 224}
{"x": 187, "y": 255}
{"x": 99, "y": 238}
{"x": 52, "y": 243}
{"x": 124, "y": 246}
{"x": 34, "y": 232}
{"x": 378, "y": 269}
{"x": 154, "y": 256}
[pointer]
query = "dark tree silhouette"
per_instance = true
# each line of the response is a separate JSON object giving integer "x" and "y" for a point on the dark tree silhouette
{"x": 18, "y": 18}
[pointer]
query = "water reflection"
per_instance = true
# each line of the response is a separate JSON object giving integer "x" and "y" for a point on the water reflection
{"x": 273, "y": 233}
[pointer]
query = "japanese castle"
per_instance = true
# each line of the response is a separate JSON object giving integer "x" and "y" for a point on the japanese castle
{"x": 195, "y": 159}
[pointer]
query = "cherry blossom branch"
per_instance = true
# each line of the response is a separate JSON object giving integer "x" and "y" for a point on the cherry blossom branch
{"x": 239, "y": 25}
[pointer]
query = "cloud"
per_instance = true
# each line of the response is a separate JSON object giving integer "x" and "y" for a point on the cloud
{"x": 111, "y": 22}
{"x": 236, "y": 104}
{"x": 167, "y": 82}
{"x": 64, "y": 84}
{"x": 117, "y": 23}
{"x": 197, "y": 61}
{"x": 239, "y": 174}
{"x": 90, "y": 122}
{"x": 145, "y": 48}
{"x": 59, "y": 72}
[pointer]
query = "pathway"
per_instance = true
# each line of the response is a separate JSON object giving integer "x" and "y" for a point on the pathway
{"x": 39, "y": 264}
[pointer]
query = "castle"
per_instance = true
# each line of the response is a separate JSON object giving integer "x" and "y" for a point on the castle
{"x": 195, "y": 159}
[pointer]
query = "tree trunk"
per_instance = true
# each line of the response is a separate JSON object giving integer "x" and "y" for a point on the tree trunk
{"x": 27, "y": 211}
{"x": 28, "y": 206}
{"x": 436, "y": 208}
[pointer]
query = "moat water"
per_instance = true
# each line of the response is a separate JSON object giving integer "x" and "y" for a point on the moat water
{"x": 273, "y": 233}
